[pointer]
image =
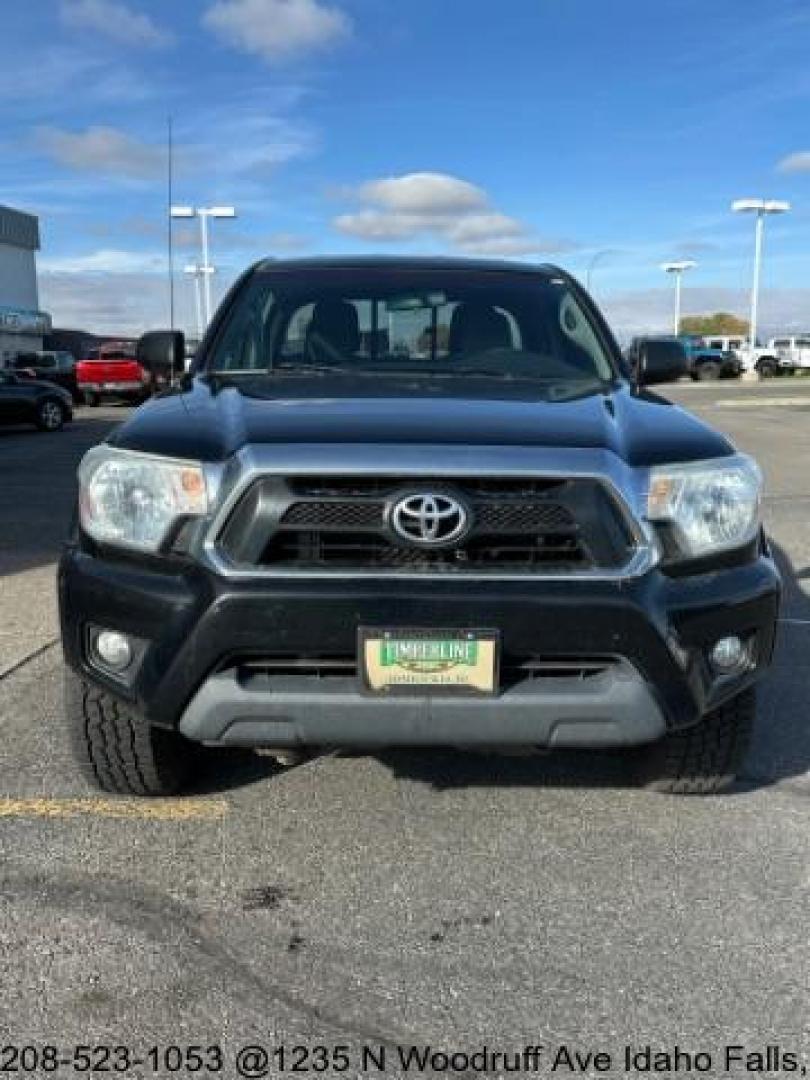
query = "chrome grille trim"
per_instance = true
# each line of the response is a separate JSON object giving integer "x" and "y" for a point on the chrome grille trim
{"x": 414, "y": 462}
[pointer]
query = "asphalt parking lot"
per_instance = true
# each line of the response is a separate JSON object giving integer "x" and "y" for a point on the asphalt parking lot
{"x": 403, "y": 898}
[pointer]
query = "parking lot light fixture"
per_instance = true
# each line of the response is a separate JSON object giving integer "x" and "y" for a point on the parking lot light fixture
{"x": 678, "y": 269}
{"x": 204, "y": 213}
{"x": 197, "y": 272}
{"x": 760, "y": 207}
{"x": 595, "y": 259}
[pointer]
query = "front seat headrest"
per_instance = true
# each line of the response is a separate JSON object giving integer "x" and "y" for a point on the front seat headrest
{"x": 336, "y": 322}
{"x": 475, "y": 329}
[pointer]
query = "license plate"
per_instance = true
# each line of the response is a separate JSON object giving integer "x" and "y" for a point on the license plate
{"x": 432, "y": 661}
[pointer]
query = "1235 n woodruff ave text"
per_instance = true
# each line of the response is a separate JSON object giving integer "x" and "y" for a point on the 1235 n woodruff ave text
{"x": 733, "y": 1059}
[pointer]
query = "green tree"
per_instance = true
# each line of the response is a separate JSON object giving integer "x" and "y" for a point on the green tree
{"x": 721, "y": 322}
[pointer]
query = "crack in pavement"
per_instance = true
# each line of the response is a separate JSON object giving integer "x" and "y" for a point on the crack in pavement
{"x": 169, "y": 923}
{"x": 18, "y": 664}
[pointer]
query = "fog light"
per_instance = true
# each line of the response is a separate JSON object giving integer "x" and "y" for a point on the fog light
{"x": 728, "y": 655}
{"x": 113, "y": 650}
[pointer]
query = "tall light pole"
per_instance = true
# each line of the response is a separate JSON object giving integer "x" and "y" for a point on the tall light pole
{"x": 197, "y": 272}
{"x": 595, "y": 258}
{"x": 204, "y": 213}
{"x": 678, "y": 269}
{"x": 760, "y": 207}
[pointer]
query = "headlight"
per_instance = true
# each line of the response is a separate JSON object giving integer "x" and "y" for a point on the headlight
{"x": 711, "y": 506}
{"x": 133, "y": 499}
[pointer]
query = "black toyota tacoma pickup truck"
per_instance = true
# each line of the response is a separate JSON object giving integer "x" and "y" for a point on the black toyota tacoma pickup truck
{"x": 414, "y": 502}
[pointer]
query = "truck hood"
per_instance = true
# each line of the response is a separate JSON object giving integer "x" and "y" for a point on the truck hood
{"x": 206, "y": 422}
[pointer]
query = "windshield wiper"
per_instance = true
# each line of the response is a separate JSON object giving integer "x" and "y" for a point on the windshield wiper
{"x": 283, "y": 369}
{"x": 311, "y": 369}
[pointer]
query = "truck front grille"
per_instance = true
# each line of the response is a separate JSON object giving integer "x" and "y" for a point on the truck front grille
{"x": 343, "y": 524}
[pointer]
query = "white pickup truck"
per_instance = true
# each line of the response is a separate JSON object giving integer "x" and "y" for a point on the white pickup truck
{"x": 767, "y": 360}
{"x": 793, "y": 352}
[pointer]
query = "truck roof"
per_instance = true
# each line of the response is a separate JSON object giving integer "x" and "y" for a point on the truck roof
{"x": 408, "y": 262}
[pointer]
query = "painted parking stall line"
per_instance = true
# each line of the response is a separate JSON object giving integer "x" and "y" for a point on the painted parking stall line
{"x": 122, "y": 809}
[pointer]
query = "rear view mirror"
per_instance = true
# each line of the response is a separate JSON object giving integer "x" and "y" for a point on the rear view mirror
{"x": 415, "y": 302}
{"x": 162, "y": 352}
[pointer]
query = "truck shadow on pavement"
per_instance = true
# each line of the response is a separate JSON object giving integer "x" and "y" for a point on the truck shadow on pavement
{"x": 220, "y": 771}
{"x": 780, "y": 749}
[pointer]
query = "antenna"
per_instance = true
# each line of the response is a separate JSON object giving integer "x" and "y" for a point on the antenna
{"x": 169, "y": 225}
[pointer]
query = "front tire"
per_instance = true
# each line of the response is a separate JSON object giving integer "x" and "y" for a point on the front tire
{"x": 708, "y": 372}
{"x": 767, "y": 368}
{"x": 707, "y": 757}
{"x": 51, "y": 415}
{"x": 117, "y": 749}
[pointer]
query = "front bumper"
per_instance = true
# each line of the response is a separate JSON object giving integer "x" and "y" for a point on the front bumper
{"x": 198, "y": 629}
{"x": 615, "y": 708}
{"x": 131, "y": 387}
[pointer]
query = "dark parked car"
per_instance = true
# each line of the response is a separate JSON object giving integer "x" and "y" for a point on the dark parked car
{"x": 414, "y": 502}
{"x": 55, "y": 367}
{"x": 33, "y": 401}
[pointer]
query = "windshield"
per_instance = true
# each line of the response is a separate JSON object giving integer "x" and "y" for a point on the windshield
{"x": 372, "y": 323}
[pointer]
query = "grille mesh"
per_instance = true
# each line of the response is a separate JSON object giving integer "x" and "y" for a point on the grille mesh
{"x": 340, "y": 515}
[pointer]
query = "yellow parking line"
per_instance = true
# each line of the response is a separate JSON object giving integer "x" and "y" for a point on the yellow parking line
{"x": 139, "y": 809}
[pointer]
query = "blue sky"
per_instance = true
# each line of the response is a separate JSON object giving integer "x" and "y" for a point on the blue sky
{"x": 541, "y": 129}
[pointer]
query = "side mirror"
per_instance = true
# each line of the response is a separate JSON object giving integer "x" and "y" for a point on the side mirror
{"x": 661, "y": 366}
{"x": 162, "y": 353}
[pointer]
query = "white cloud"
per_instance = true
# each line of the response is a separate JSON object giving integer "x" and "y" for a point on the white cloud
{"x": 642, "y": 311}
{"x": 252, "y": 144}
{"x": 104, "y": 150}
{"x": 120, "y": 292}
{"x": 444, "y": 208}
{"x": 235, "y": 245}
{"x": 68, "y": 74}
{"x": 126, "y": 303}
{"x": 423, "y": 193}
{"x": 277, "y": 29}
{"x": 112, "y": 291}
{"x": 114, "y": 19}
{"x": 380, "y": 225}
{"x": 511, "y": 247}
{"x": 795, "y": 163}
{"x": 483, "y": 227}
{"x": 105, "y": 261}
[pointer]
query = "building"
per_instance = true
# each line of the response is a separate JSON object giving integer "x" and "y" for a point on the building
{"x": 82, "y": 343}
{"x": 22, "y": 324}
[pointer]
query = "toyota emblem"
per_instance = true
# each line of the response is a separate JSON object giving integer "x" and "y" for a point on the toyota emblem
{"x": 429, "y": 519}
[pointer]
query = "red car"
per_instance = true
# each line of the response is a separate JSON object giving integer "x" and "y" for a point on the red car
{"x": 114, "y": 372}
